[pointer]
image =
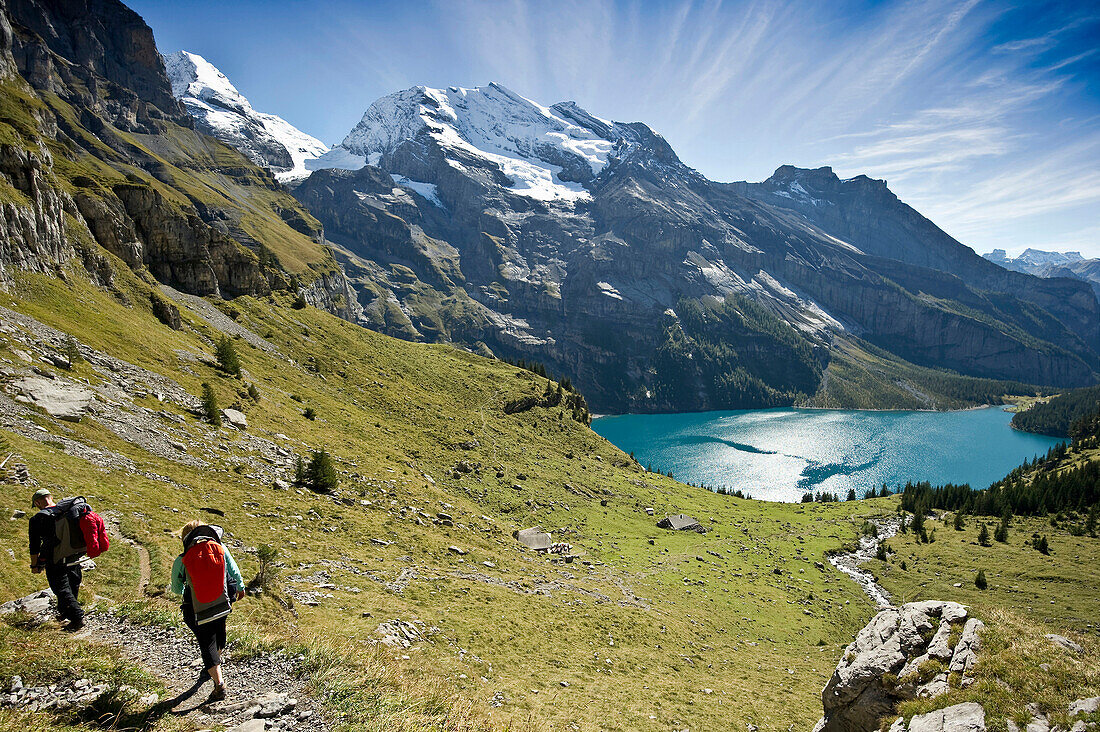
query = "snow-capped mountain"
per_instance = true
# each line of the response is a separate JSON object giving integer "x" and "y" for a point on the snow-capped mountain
{"x": 544, "y": 153}
{"x": 1033, "y": 261}
{"x": 1051, "y": 264}
{"x": 223, "y": 112}
{"x": 481, "y": 217}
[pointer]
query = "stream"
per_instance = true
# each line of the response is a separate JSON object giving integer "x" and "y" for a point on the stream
{"x": 849, "y": 562}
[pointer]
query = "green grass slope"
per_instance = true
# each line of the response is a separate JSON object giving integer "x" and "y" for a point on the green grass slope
{"x": 648, "y": 629}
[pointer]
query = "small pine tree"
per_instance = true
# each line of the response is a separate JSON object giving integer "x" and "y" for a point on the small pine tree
{"x": 299, "y": 302}
{"x": 880, "y": 554}
{"x": 253, "y": 393}
{"x": 72, "y": 351}
{"x": 321, "y": 476}
{"x": 1001, "y": 534}
{"x": 960, "y": 523}
{"x": 852, "y": 494}
{"x": 309, "y": 414}
{"x": 983, "y": 535}
{"x": 300, "y": 472}
{"x": 226, "y": 354}
{"x": 210, "y": 410}
{"x": 980, "y": 581}
{"x": 1043, "y": 546}
{"x": 265, "y": 578}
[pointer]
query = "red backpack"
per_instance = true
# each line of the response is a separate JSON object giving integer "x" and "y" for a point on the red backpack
{"x": 95, "y": 534}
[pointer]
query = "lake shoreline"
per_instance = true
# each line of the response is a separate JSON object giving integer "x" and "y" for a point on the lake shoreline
{"x": 811, "y": 409}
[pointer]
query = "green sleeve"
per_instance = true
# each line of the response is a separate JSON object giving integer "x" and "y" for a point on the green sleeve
{"x": 179, "y": 576}
{"x": 231, "y": 568}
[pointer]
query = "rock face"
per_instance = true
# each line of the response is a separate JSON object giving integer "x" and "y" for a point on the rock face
{"x": 901, "y": 654}
{"x": 83, "y": 78}
{"x": 60, "y": 399}
{"x": 478, "y": 217}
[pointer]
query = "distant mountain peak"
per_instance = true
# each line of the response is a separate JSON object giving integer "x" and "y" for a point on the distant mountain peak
{"x": 223, "y": 112}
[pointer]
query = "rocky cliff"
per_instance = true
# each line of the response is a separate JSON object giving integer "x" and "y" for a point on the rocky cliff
{"x": 101, "y": 166}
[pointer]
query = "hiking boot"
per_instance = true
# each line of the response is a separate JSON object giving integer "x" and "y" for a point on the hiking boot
{"x": 217, "y": 695}
{"x": 74, "y": 625}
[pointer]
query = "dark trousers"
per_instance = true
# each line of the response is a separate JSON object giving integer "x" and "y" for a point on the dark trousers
{"x": 65, "y": 583}
{"x": 211, "y": 637}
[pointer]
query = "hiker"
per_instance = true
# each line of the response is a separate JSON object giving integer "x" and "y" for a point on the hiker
{"x": 58, "y": 547}
{"x": 208, "y": 578}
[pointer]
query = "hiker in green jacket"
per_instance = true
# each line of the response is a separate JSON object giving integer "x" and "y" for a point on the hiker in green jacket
{"x": 206, "y": 606}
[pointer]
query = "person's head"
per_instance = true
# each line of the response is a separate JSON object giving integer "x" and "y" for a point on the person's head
{"x": 189, "y": 527}
{"x": 42, "y": 499}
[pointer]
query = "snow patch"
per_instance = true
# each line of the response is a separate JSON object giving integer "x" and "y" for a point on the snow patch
{"x": 428, "y": 190}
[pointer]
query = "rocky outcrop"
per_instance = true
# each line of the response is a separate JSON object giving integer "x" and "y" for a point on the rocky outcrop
{"x": 58, "y": 398}
{"x": 32, "y": 213}
{"x": 903, "y": 653}
{"x": 332, "y": 291}
{"x": 85, "y": 77}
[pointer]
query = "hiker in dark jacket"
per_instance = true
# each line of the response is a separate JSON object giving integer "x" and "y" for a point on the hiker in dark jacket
{"x": 62, "y": 573}
{"x": 206, "y": 619}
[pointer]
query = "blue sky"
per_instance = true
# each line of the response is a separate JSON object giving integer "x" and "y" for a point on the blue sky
{"x": 984, "y": 115}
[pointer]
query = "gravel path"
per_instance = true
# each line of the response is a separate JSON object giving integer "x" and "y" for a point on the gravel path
{"x": 269, "y": 687}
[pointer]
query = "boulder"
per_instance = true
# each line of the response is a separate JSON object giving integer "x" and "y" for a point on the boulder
{"x": 235, "y": 418}
{"x": 534, "y": 538}
{"x": 881, "y": 666}
{"x": 1085, "y": 706}
{"x": 58, "y": 398}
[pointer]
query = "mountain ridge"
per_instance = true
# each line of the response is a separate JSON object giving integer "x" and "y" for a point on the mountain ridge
{"x": 622, "y": 231}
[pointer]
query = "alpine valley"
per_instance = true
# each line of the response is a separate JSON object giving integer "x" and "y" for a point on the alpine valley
{"x": 373, "y": 366}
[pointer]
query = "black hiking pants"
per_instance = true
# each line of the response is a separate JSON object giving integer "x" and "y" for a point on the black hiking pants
{"x": 65, "y": 583}
{"x": 211, "y": 637}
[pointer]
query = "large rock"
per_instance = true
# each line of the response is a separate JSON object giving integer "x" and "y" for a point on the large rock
{"x": 60, "y": 399}
{"x": 235, "y": 418}
{"x": 883, "y": 665}
{"x": 968, "y": 717}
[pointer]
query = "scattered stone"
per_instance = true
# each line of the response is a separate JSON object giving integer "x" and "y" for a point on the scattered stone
{"x": 17, "y": 514}
{"x": 39, "y": 606}
{"x": 456, "y": 550}
{"x": 469, "y": 444}
{"x": 252, "y": 725}
{"x": 1064, "y": 642}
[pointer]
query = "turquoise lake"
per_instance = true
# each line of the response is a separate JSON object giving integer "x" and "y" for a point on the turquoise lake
{"x": 780, "y": 454}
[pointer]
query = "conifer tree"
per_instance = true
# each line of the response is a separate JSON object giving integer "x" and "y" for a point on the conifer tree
{"x": 321, "y": 476}
{"x": 980, "y": 581}
{"x": 226, "y": 354}
{"x": 983, "y": 535}
{"x": 210, "y": 410}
